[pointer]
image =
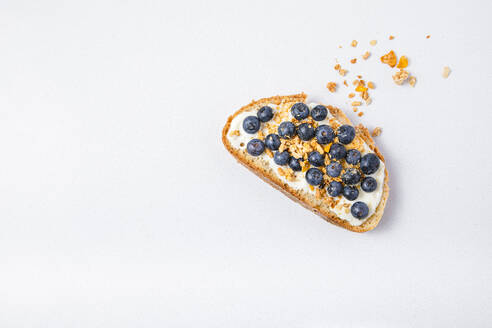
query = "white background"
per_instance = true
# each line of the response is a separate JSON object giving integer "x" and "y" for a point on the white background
{"x": 119, "y": 206}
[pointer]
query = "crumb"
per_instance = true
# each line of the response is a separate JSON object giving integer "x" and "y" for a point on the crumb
{"x": 355, "y": 109}
{"x": 353, "y": 60}
{"x": 337, "y": 67}
{"x": 391, "y": 37}
{"x": 360, "y": 114}
{"x": 364, "y": 95}
{"x": 403, "y": 62}
{"x": 356, "y": 103}
{"x": 354, "y": 43}
{"x": 351, "y": 95}
{"x": 331, "y": 86}
{"x": 370, "y": 85}
{"x": 401, "y": 76}
{"x": 355, "y": 82}
{"x": 368, "y": 101}
{"x": 412, "y": 80}
{"x": 390, "y": 59}
{"x": 235, "y": 133}
{"x": 345, "y": 82}
{"x": 373, "y": 42}
{"x": 340, "y": 47}
{"x": 376, "y": 132}
{"x": 366, "y": 55}
{"x": 269, "y": 152}
{"x": 445, "y": 72}
{"x": 428, "y": 36}
{"x": 342, "y": 72}
{"x": 359, "y": 76}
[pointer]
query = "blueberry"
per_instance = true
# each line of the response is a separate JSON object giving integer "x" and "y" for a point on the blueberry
{"x": 346, "y": 133}
{"x": 359, "y": 210}
{"x": 281, "y": 158}
{"x": 353, "y": 156}
{"x": 351, "y": 176}
{"x": 337, "y": 151}
{"x": 319, "y": 113}
{"x": 314, "y": 177}
{"x": 272, "y": 141}
{"x": 251, "y": 124}
{"x": 286, "y": 130}
{"x": 369, "y": 184}
{"x": 316, "y": 159}
{"x": 335, "y": 188}
{"x": 294, "y": 164}
{"x": 324, "y": 134}
{"x": 300, "y": 111}
{"x": 333, "y": 169}
{"x": 369, "y": 163}
{"x": 305, "y": 131}
{"x": 255, "y": 147}
{"x": 265, "y": 113}
{"x": 351, "y": 193}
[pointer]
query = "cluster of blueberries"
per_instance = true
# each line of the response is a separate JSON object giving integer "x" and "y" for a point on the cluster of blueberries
{"x": 324, "y": 134}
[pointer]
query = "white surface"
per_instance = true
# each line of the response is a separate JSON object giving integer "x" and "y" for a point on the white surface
{"x": 120, "y": 207}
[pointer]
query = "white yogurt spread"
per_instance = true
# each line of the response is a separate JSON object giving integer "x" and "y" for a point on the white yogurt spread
{"x": 372, "y": 199}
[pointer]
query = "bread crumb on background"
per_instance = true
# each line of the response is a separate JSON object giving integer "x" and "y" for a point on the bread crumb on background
{"x": 376, "y": 132}
{"x": 373, "y": 42}
{"x": 354, "y": 43}
{"x": 446, "y": 71}
{"x": 331, "y": 86}
{"x": 391, "y": 37}
{"x": 366, "y": 55}
{"x": 401, "y": 76}
{"x": 353, "y": 60}
{"x": 412, "y": 80}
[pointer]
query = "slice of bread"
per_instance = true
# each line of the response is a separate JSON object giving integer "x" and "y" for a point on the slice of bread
{"x": 259, "y": 165}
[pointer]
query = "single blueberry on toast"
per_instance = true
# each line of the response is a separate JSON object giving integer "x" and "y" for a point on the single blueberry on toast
{"x": 324, "y": 134}
{"x": 305, "y": 131}
{"x": 300, "y": 111}
{"x": 255, "y": 147}
{"x": 265, "y": 113}
{"x": 272, "y": 141}
{"x": 333, "y": 169}
{"x": 319, "y": 113}
{"x": 281, "y": 158}
{"x": 286, "y": 130}
{"x": 251, "y": 124}
{"x": 313, "y": 154}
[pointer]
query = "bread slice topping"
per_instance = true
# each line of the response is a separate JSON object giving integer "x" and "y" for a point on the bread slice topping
{"x": 312, "y": 151}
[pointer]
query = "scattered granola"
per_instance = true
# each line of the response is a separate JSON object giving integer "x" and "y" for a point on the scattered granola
{"x": 342, "y": 72}
{"x": 370, "y": 85}
{"x": 390, "y": 59}
{"x": 373, "y": 42}
{"x": 445, "y": 72}
{"x": 331, "y": 86}
{"x": 376, "y": 132}
{"x": 351, "y": 95}
{"x": 368, "y": 101}
{"x": 366, "y": 55}
{"x": 360, "y": 114}
{"x": 354, "y": 43}
{"x": 356, "y": 103}
{"x": 403, "y": 63}
{"x": 235, "y": 133}
{"x": 391, "y": 37}
{"x": 345, "y": 83}
{"x": 412, "y": 80}
{"x": 401, "y": 76}
{"x": 353, "y": 60}
{"x": 428, "y": 36}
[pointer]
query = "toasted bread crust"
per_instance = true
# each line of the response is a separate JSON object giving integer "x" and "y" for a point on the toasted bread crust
{"x": 305, "y": 199}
